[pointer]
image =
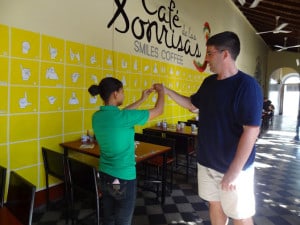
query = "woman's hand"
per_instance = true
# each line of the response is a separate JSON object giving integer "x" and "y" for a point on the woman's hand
{"x": 146, "y": 93}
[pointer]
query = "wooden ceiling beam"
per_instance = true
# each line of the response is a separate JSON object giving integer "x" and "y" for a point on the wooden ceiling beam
{"x": 293, "y": 5}
{"x": 263, "y": 18}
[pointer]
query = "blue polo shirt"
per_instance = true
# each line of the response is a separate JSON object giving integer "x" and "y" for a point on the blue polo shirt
{"x": 114, "y": 131}
{"x": 224, "y": 107}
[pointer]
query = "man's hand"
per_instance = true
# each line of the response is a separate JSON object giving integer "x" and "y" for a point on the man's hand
{"x": 228, "y": 181}
{"x": 158, "y": 87}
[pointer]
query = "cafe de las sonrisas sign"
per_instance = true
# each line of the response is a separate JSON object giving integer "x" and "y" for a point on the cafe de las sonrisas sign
{"x": 162, "y": 26}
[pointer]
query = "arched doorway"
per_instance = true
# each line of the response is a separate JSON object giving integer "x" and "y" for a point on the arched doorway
{"x": 291, "y": 92}
{"x": 284, "y": 92}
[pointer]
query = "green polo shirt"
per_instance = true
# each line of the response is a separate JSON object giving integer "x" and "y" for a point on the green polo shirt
{"x": 114, "y": 131}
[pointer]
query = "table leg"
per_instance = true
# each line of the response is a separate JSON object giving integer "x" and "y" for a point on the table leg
{"x": 163, "y": 182}
{"x": 66, "y": 151}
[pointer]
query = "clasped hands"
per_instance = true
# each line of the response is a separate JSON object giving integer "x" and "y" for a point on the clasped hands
{"x": 155, "y": 87}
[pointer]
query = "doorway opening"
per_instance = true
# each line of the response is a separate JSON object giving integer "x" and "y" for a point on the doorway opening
{"x": 284, "y": 92}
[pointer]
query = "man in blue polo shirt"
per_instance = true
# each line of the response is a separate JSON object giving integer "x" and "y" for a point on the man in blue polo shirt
{"x": 114, "y": 131}
{"x": 230, "y": 105}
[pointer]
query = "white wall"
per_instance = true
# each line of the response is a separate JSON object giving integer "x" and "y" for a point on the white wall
{"x": 86, "y": 22}
{"x": 283, "y": 59}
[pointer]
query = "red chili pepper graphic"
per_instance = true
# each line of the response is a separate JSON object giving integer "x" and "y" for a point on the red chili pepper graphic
{"x": 202, "y": 66}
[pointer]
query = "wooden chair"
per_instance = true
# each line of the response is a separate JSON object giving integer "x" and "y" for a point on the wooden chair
{"x": 84, "y": 180}
{"x": 55, "y": 165}
{"x": 185, "y": 146}
{"x": 18, "y": 208}
{"x": 157, "y": 162}
{"x": 2, "y": 184}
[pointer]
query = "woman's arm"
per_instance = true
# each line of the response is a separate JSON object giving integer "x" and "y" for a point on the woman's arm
{"x": 145, "y": 95}
{"x": 159, "y": 105}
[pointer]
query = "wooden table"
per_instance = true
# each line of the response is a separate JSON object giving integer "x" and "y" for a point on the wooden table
{"x": 143, "y": 152}
{"x": 193, "y": 121}
{"x": 187, "y": 130}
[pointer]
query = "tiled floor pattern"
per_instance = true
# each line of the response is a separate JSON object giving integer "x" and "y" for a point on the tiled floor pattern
{"x": 277, "y": 189}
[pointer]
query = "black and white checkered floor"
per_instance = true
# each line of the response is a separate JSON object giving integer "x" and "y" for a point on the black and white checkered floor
{"x": 277, "y": 189}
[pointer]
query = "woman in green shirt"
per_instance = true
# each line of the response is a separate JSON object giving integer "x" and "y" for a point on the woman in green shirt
{"x": 114, "y": 131}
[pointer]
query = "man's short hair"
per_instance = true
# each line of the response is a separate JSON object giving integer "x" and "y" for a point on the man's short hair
{"x": 227, "y": 40}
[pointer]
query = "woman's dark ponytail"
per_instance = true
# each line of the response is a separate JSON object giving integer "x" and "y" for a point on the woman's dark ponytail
{"x": 94, "y": 90}
{"x": 105, "y": 88}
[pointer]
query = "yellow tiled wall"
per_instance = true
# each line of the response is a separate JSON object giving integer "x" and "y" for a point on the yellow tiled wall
{"x": 44, "y": 98}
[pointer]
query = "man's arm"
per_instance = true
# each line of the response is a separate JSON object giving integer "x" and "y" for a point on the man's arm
{"x": 181, "y": 100}
{"x": 244, "y": 149}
